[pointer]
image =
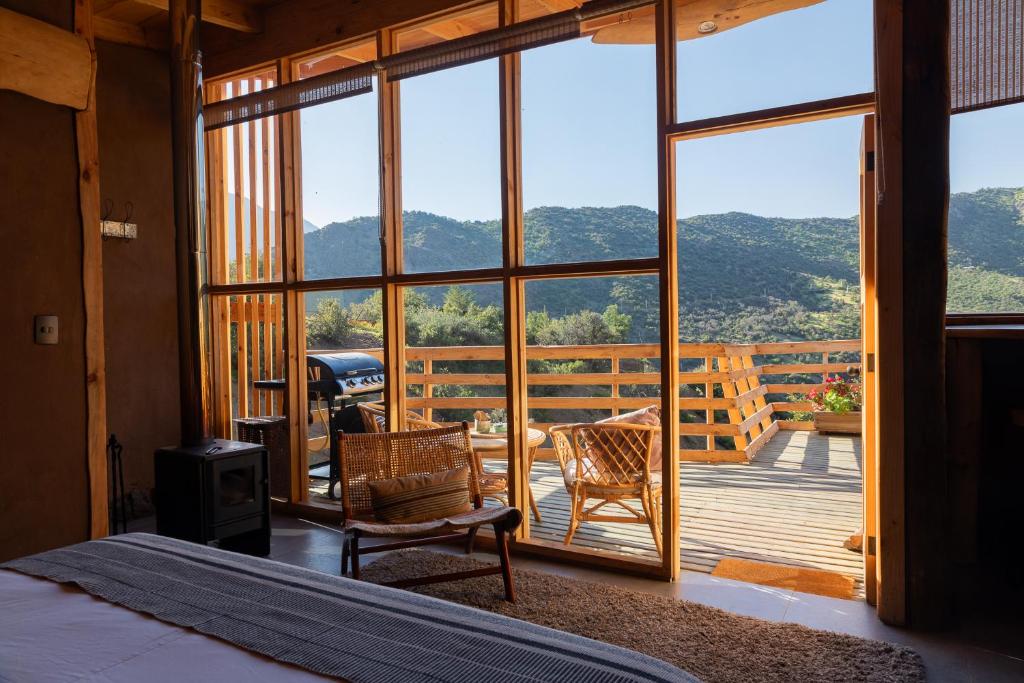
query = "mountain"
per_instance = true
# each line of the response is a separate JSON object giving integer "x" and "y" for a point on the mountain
{"x": 742, "y": 277}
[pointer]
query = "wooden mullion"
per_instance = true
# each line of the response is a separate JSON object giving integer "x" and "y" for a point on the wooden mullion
{"x": 219, "y": 266}
{"x": 389, "y": 123}
{"x": 668, "y": 283}
{"x": 88, "y": 153}
{"x": 513, "y": 259}
{"x": 804, "y": 112}
{"x": 869, "y": 446}
{"x": 294, "y": 337}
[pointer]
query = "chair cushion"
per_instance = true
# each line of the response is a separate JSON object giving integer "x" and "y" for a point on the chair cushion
{"x": 420, "y": 497}
{"x": 507, "y": 518}
{"x": 651, "y": 415}
{"x": 569, "y": 476}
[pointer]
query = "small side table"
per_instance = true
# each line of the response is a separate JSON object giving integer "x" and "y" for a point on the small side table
{"x": 491, "y": 446}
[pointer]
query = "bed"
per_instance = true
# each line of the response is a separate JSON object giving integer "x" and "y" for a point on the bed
{"x": 86, "y": 613}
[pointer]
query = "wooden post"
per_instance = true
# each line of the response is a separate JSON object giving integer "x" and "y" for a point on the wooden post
{"x": 668, "y": 283}
{"x": 912, "y": 48}
{"x": 88, "y": 150}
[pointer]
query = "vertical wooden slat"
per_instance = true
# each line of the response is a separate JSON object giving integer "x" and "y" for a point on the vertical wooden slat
{"x": 729, "y": 390}
{"x": 428, "y": 389}
{"x": 88, "y": 153}
{"x": 513, "y": 256}
{"x": 241, "y": 343}
{"x": 267, "y": 329}
{"x": 615, "y": 385}
{"x": 668, "y": 284}
{"x": 709, "y": 392}
{"x": 252, "y": 328}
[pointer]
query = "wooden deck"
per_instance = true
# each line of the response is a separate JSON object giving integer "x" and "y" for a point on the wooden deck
{"x": 795, "y": 503}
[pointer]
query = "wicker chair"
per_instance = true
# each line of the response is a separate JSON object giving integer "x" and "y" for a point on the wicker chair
{"x": 609, "y": 462}
{"x": 378, "y": 457}
{"x": 374, "y": 420}
{"x": 493, "y": 485}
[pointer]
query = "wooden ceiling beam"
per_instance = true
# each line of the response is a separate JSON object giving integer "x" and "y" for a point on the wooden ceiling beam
{"x": 232, "y": 14}
{"x": 43, "y": 61}
{"x": 129, "y": 34}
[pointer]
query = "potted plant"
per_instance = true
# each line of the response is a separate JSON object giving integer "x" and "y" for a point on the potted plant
{"x": 837, "y": 406}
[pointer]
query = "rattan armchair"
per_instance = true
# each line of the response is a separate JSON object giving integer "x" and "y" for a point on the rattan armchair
{"x": 378, "y": 457}
{"x": 373, "y": 417}
{"x": 610, "y": 463}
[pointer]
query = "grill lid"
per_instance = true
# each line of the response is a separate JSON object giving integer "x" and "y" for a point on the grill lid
{"x": 354, "y": 372}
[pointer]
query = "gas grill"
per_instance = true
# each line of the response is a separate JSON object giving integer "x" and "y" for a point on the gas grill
{"x": 345, "y": 374}
{"x": 336, "y": 379}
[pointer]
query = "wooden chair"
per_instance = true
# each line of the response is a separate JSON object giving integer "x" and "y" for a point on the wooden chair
{"x": 609, "y": 462}
{"x": 378, "y": 457}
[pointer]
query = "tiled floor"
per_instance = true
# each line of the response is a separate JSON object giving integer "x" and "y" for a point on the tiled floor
{"x": 959, "y": 657}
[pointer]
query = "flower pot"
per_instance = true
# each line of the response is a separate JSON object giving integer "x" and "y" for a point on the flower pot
{"x": 837, "y": 423}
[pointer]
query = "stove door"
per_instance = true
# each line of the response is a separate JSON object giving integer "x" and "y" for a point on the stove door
{"x": 237, "y": 487}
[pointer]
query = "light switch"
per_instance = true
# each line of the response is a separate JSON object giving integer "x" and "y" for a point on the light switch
{"x": 46, "y": 329}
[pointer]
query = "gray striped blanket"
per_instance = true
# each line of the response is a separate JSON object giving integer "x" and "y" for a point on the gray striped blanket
{"x": 328, "y": 624}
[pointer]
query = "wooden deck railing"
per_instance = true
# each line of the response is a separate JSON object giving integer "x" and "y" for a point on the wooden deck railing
{"x": 729, "y": 390}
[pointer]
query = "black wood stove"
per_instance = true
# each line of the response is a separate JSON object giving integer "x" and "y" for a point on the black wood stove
{"x": 215, "y": 492}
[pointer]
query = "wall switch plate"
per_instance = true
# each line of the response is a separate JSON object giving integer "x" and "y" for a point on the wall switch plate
{"x": 46, "y": 329}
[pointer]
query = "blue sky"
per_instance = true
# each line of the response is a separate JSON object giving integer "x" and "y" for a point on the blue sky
{"x": 588, "y": 129}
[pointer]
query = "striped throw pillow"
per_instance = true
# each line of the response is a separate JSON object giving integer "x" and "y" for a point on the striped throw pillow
{"x": 420, "y": 497}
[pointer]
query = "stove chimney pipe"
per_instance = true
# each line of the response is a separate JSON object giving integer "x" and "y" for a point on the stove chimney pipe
{"x": 194, "y": 327}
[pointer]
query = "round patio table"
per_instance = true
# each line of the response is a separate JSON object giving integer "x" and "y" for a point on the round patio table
{"x": 491, "y": 446}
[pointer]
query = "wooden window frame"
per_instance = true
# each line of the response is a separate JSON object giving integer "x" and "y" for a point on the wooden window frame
{"x": 513, "y": 273}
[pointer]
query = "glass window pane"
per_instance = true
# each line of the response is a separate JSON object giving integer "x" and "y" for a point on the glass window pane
{"x": 986, "y": 211}
{"x": 342, "y": 321}
{"x": 764, "y": 56}
{"x": 455, "y": 330}
{"x": 589, "y": 152}
{"x": 450, "y": 169}
{"x": 340, "y": 189}
{"x": 769, "y": 234}
{"x": 248, "y": 359}
{"x": 592, "y": 354}
{"x": 244, "y": 192}
{"x": 340, "y": 176}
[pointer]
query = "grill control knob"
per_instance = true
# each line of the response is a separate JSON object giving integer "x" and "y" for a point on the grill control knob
{"x": 351, "y": 382}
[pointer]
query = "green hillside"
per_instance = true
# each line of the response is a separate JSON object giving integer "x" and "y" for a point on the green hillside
{"x": 742, "y": 277}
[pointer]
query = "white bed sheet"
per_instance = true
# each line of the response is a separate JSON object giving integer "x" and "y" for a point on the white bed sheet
{"x": 54, "y": 633}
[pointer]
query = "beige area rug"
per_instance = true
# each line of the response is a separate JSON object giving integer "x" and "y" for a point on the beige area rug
{"x": 710, "y": 643}
{"x": 803, "y": 579}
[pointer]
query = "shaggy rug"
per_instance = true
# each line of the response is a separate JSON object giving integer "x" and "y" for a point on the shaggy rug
{"x": 710, "y": 643}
